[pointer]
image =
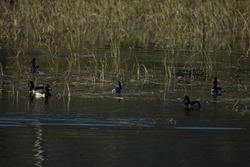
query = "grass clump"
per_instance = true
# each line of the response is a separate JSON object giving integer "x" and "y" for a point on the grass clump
{"x": 134, "y": 23}
{"x": 200, "y": 27}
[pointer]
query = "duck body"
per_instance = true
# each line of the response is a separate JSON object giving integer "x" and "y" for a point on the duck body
{"x": 217, "y": 91}
{"x": 118, "y": 88}
{"x": 39, "y": 91}
{"x": 42, "y": 92}
{"x": 190, "y": 104}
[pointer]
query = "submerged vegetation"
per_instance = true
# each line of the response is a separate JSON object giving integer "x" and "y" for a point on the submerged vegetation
{"x": 199, "y": 27}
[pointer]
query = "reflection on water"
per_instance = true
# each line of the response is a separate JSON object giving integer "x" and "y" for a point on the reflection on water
{"x": 105, "y": 132}
{"x": 38, "y": 148}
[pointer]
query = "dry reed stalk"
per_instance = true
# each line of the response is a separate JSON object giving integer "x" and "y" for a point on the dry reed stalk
{"x": 195, "y": 26}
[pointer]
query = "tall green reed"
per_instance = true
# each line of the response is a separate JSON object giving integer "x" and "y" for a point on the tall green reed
{"x": 196, "y": 26}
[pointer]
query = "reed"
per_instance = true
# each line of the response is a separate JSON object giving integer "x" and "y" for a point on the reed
{"x": 140, "y": 68}
{"x": 104, "y": 68}
{"x": 52, "y": 59}
{"x": 168, "y": 64}
{"x": 130, "y": 23}
{"x": 198, "y": 27}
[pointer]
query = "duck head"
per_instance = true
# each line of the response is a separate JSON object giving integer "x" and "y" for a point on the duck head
{"x": 215, "y": 83}
{"x": 47, "y": 88}
{"x": 186, "y": 100}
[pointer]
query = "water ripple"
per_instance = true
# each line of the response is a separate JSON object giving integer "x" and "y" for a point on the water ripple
{"x": 113, "y": 122}
{"x": 87, "y": 122}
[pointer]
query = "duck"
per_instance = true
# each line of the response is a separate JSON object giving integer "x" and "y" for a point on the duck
{"x": 39, "y": 91}
{"x": 33, "y": 66}
{"x": 190, "y": 104}
{"x": 217, "y": 91}
{"x": 118, "y": 88}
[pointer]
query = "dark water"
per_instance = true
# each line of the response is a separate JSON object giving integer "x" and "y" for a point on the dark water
{"x": 143, "y": 127}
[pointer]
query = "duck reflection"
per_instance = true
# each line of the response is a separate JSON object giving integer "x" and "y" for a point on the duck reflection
{"x": 38, "y": 148}
{"x": 32, "y": 98}
{"x": 37, "y": 105}
{"x": 119, "y": 97}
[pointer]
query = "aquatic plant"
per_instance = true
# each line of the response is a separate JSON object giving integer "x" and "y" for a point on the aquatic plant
{"x": 52, "y": 58}
{"x": 199, "y": 27}
{"x": 139, "y": 68}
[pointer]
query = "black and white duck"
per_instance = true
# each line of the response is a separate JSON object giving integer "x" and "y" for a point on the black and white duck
{"x": 217, "y": 91}
{"x": 33, "y": 66}
{"x": 39, "y": 91}
{"x": 118, "y": 88}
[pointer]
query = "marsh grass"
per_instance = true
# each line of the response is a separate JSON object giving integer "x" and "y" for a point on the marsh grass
{"x": 168, "y": 63}
{"x": 198, "y": 27}
{"x": 140, "y": 67}
{"x": 133, "y": 24}
{"x": 104, "y": 67}
{"x": 52, "y": 59}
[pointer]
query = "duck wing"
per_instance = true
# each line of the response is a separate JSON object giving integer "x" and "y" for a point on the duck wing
{"x": 195, "y": 103}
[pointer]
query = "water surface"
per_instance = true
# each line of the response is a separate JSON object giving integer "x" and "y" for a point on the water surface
{"x": 145, "y": 126}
